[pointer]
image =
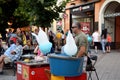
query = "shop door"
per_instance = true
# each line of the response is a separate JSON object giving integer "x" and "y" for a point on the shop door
{"x": 117, "y": 31}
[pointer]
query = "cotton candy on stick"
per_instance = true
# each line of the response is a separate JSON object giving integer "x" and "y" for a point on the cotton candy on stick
{"x": 42, "y": 36}
{"x": 44, "y": 44}
{"x": 37, "y": 38}
{"x": 70, "y": 47}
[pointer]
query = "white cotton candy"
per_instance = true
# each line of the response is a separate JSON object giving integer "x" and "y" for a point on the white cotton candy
{"x": 37, "y": 38}
{"x": 70, "y": 47}
{"x": 42, "y": 39}
{"x": 42, "y": 36}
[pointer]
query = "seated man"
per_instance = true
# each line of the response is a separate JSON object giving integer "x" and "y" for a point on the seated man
{"x": 11, "y": 54}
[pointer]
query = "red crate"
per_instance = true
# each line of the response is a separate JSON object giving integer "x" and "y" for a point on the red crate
{"x": 26, "y": 72}
{"x": 39, "y": 74}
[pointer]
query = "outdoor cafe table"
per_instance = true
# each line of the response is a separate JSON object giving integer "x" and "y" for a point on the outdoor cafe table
{"x": 32, "y": 70}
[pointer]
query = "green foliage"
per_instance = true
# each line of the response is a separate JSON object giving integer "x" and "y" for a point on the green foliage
{"x": 39, "y": 12}
{"x": 0, "y": 10}
{"x": 7, "y": 8}
{"x": 2, "y": 1}
{"x": 29, "y": 12}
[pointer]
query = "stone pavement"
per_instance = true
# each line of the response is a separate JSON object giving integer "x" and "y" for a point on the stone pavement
{"x": 107, "y": 66}
{"x": 8, "y": 75}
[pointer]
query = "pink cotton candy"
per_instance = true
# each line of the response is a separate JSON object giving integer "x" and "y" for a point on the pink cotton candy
{"x": 39, "y": 52}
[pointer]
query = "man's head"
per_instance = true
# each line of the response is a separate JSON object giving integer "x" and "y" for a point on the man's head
{"x": 19, "y": 42}
{"x": 18, "y": 30}
{"x": 76, "y": 27}
{"x": 36, "y": 31}
{"x": 12, "y": 42}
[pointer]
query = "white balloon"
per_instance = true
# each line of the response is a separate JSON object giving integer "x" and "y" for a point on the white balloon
{"x": 70, "y": 47}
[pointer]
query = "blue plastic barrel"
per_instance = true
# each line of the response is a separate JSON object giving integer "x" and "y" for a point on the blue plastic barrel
{"x": 63, "y": 65}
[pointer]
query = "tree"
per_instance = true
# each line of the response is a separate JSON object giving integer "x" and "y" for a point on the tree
{"x": 29, "y": 12}
{"x": 7, "y": 7}
{"x": 40, "y": 12}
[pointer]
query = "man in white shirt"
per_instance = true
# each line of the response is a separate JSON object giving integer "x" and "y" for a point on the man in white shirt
{"x": 96, "y": 39}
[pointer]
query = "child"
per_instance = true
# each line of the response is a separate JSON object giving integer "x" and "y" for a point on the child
{"x": 39, "y": 55}
{"x": 109, "y": 40}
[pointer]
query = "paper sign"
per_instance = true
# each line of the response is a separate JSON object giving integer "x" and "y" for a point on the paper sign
{"x": 19, "y": 68}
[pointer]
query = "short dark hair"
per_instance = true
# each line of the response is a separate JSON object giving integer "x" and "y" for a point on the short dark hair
{"x": 12, "y": 42}
{"x": 20, "y": 41}
{"x": 77, "y": 24}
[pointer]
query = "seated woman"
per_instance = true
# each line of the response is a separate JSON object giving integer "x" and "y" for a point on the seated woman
{"x": 39, "y": 55}
{"x": 38, "y": 52}
{"x": 11, "y": 54}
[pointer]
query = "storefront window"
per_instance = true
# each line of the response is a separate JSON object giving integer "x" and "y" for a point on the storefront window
{"x": 86, "y": 23}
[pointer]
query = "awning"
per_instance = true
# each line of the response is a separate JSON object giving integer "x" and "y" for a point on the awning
{"x": 83, "y": 10}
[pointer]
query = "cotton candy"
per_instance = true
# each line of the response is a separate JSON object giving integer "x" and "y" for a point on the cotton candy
{"x": 42, "y": 39}
{"x": 70, "y": 47}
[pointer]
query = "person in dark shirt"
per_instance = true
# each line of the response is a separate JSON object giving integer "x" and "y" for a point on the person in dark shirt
{"x": 51, "y": 39}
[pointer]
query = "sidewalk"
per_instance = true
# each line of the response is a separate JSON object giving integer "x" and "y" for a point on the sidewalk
{"x": 8, "y": 75}
{"x": 107, "y": 66}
